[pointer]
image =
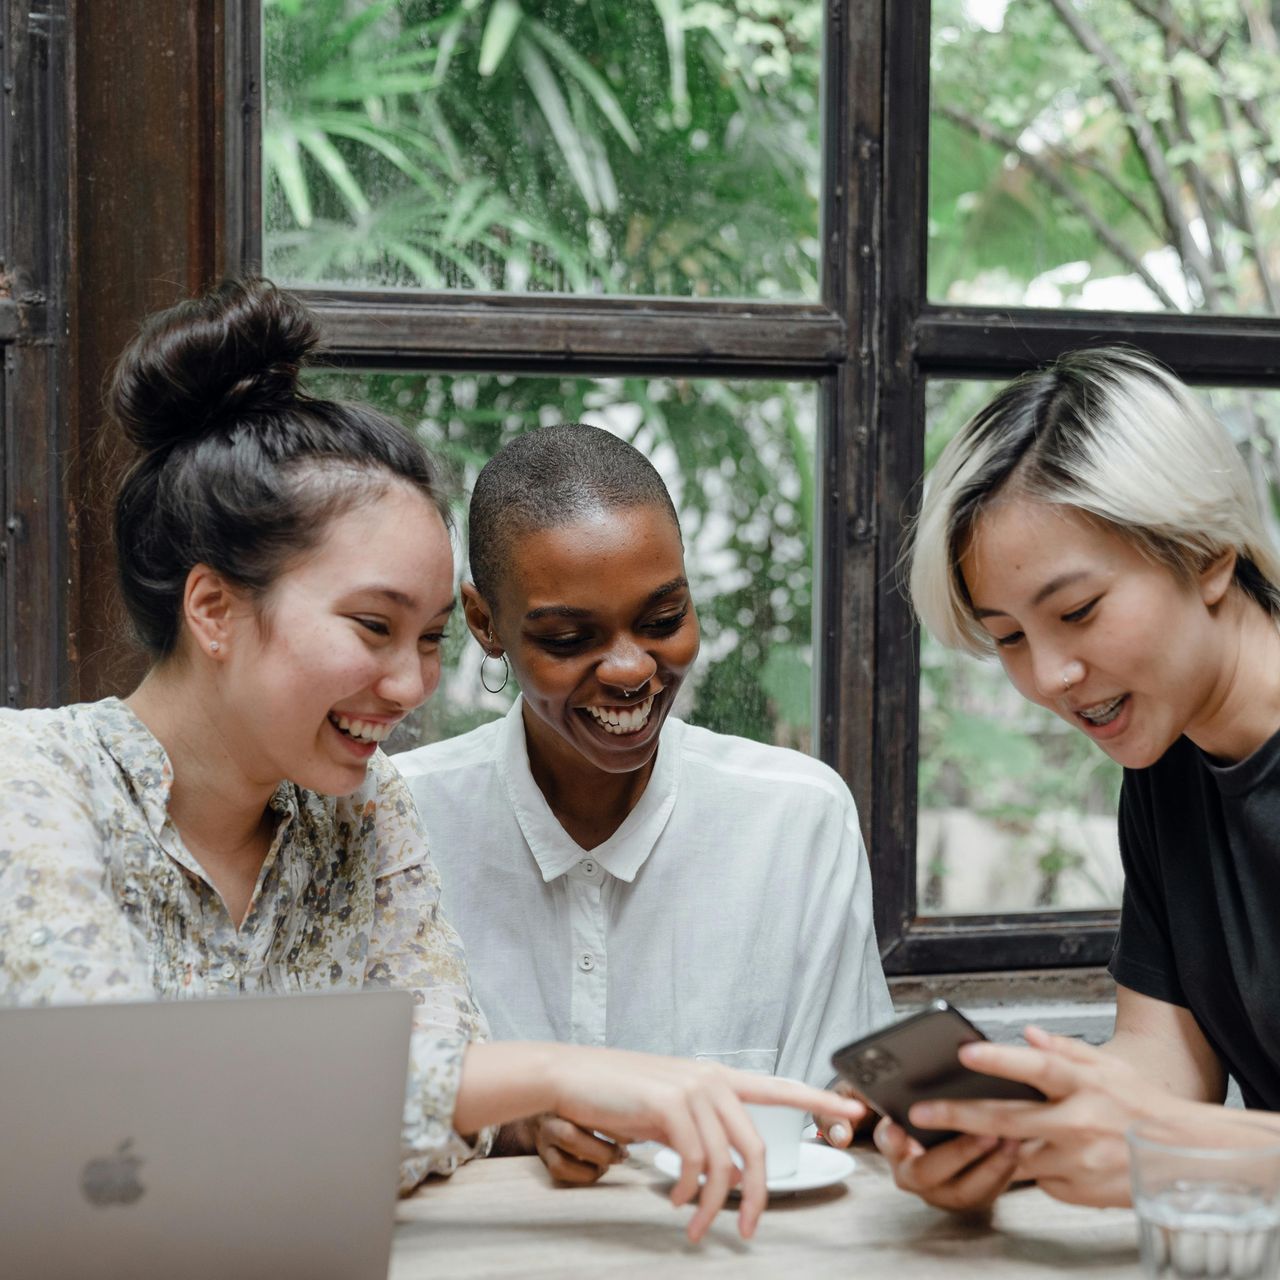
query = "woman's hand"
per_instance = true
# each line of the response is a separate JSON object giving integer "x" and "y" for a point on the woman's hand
{"x": 694, "y": 1107}
{"x": 571, "y": 1154}
{"x": 835, "y": 1130}
{"x": 1073, "y": 1144}
{"x": 964, "y": 1174}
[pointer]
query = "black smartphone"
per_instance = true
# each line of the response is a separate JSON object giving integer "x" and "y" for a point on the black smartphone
{"x": 915, "y": 1060}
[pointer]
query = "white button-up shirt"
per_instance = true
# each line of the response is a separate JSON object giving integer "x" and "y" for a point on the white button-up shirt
{"x": 729, "y": 917}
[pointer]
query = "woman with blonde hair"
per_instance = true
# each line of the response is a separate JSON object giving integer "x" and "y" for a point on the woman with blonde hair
{"x": 1095, "y": 529}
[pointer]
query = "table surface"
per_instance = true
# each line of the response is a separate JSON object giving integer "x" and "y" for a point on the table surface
{"x": 504, "y": 1217}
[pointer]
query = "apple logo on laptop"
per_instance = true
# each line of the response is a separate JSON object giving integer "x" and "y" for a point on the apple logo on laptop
{"x": 113, "y": 1179}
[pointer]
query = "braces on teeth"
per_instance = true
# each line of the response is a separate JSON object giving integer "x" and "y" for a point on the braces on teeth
{"x": 1104, "y": 713}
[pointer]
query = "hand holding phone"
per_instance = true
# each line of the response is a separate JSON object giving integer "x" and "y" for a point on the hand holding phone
{"x": 917, "y": 1059}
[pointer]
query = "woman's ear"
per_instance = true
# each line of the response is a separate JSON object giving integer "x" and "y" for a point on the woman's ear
{"x": 480, "y": 619}
{"x": 210, "y": 605}
{"x": 1216, "y": 577}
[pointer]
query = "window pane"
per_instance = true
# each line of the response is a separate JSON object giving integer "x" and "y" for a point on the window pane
{"x": 1017, "y": 810}
{"x": 661, "y": 147}
{"x": 738, "y": 458}
{"x": 1105, "y": 154}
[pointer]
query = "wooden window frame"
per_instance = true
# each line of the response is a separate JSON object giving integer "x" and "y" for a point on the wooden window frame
{"x": 869, "y": 346}
{"x": 35, "y": 663}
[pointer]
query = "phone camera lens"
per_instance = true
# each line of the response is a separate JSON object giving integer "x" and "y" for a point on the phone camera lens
{"x": 873, "y": 1065}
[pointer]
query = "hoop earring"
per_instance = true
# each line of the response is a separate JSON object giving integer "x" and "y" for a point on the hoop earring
{"x": 506, "y": 671}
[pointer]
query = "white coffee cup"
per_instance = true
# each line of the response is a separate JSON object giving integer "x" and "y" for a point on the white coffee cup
{"x": 779, "y": 1129}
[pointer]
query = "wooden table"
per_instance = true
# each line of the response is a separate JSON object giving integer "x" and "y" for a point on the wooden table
{"x": 505, "y": 1218}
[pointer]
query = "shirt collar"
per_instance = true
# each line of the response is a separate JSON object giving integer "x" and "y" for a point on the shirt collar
{"x": 554, "y": 850}
{"x": 139, "y": 756}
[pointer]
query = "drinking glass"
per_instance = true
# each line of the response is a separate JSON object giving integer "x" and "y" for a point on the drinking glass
{"x": 1207, "y": 1194}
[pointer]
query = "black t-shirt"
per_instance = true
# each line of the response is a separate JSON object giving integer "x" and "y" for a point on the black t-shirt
{"x": 1200, "y": 924}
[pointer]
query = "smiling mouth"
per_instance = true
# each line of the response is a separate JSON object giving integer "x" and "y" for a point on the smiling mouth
{"x": 1103, "y": 713}
{"x": 621, "y": 721}
{"x": 365, "y": 731}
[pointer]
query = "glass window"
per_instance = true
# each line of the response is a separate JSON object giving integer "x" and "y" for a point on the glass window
{"x": 580, "y": 146}
{"x": 1105, "y": 154}
{"x": 738, "y": 458}
{"x": 1017, "y": 810}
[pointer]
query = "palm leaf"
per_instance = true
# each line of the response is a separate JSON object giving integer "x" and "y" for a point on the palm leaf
{"x": 382, "y": 139}
{"x": 499, "y": 30}
{"x": 673, "y": 32}
{"x": 542, "y": 84}
{"x": 343, "y": 34}
{"x": 575, "y": 65}
{"x": 283, "y": 158}
{"x": 328, "y": 157}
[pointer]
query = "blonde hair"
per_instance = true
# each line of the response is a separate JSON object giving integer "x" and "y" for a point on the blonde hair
{"x": 1113, "y": 434}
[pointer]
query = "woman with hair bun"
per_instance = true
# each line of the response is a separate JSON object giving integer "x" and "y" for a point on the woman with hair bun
{"x": 231, "y": 825}
{"x": 1094, "y": 528}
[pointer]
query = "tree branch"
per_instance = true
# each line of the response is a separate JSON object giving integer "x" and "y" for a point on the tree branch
{"x": 989, "y": 133}
{"x": 1262, "y": 34}
{"x": 1200, "y": 184}
{"x": 1243, "y": 215}
{"x": 1177, "y": 33}
{"x": 1262, "y": 29}
{"x": 1079, "y": 161}
{"x": 1147, "y": 144}
{"x": 1248, "y": 224}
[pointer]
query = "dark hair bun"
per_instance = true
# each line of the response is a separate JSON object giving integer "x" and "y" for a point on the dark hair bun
{"x": 233, "y": 354}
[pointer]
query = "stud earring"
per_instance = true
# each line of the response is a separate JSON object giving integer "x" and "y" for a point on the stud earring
{"x": 214, "y": 646}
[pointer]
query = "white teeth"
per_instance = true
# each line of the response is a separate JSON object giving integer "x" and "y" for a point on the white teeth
{"x": 1104, "y": 712}
{"x": 621, "y": 720}
{"x": 362, "y": 730}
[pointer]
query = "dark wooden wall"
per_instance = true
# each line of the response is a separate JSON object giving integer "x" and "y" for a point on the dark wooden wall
{"x": 147, "y": 206}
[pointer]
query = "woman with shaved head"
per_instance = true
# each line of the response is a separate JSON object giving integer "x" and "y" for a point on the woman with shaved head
{"x": 619, "y": 877}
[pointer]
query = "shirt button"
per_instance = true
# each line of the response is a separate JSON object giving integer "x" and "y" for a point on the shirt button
{"x": 588, "y": 867}
{"x": 229, "y": 972}
{"x": 40, "y": 936}
{"x": 586, "y": 962}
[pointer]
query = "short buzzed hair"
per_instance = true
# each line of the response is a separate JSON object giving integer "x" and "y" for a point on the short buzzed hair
{"x": 549, "y": 478}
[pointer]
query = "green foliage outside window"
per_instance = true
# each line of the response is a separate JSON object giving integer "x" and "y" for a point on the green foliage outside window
{"x": 738, "y": 458}
{"x": 659, "y": 147}
{"x": 1102, "y": 153}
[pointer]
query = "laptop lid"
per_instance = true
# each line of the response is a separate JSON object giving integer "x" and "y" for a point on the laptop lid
{"x": 247, "y": 1137}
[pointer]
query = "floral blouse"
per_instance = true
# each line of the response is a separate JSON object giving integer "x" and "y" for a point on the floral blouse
{"x": 100, "y": 900}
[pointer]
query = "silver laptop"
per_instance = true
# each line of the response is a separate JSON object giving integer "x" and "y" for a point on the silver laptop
{"x": 229, "y": 1138}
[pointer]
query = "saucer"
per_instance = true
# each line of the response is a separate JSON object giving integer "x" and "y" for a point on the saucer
{"x": 820, "y": 1166}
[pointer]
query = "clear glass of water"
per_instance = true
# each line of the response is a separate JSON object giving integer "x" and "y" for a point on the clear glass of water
{"x": 1207, "y": 1194}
